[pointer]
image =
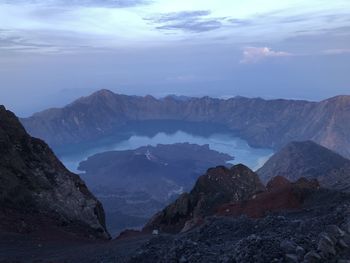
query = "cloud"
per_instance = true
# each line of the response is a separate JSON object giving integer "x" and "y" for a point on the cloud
{"x": 111, "y": 24}
{"x": 34, "y": 42}
{"x": 240, "y": 22}
{"x": 256, "y": 54}
{"x": 188, "y": 21}
{"x": 180, "y": 16}
{"x": 89, "y": 3}
{"x": 193, "y": 26}
{"x": 15, "y": 43}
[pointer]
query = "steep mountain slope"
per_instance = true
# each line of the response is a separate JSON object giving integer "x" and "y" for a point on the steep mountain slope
{"x": 218, "y": 186}
{"x": 263, "y": 123}
{"x": 37, "y": 193}
{"x": 310, "y": 160}
{"x": 134, "y": 184}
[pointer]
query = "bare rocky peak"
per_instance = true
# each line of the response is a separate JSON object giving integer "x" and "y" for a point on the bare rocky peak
{"x": 218, "y": 186}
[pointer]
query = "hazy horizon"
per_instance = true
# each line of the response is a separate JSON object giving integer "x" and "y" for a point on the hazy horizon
{"x": 53, "y": 52}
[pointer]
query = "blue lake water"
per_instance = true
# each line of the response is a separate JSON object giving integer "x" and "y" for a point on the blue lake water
{"x": 221, "y": 142}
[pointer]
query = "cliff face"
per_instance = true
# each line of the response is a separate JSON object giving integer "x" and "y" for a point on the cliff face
{"x": 35, "y": 187}
{"x": 310, "y": 160}
{"x": 264, "y": 123}
{"x": 218, "y": 186}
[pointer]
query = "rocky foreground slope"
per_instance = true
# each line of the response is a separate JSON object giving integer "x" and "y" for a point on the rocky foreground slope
{"x": 317, "y": 232}
{"x": 263, "y": 123}
{"x": 310, "y": 160}
{"x": 286, "y": 222}
{"x": 38, "y": 195}
{"x": 241, "y": 222}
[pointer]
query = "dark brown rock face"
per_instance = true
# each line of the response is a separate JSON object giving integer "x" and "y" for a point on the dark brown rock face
{"x": 218, "y": 186}
{"x": 263, "y": 123}
{"x": 310, "y": 160}
{"x": 280, "y": 195}
{"x": 37, "y": 191}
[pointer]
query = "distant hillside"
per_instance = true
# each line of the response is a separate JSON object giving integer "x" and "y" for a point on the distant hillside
{"x": 37, "y": 193}
{"x": 310, "y": 160}
{"x": 263, "y": 123}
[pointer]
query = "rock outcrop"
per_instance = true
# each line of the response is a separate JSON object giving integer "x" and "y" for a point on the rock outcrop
{"x": 318, "y": 232}
{"x": 37, "y": 193}
{"x": 281, "y": 195}
{"x": 310, "y": 160}
{"x": 263, "y": 123}
{"x": 218, "y": 186}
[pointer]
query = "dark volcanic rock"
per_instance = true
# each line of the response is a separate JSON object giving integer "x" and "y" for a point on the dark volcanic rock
{"x": 310, "y": 160}
{"x": 281, "y": 195}
{"x": 289, "y": 236}
{"x": 317, "y": 231}
{"x": 278, "y": 237}
{"x": 37, "y": 193}
{"x": 263, "y": 123}
{"x": 218, "y": 186}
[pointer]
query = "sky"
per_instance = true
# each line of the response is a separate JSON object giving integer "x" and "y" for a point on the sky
{"x": 53, "y": 51}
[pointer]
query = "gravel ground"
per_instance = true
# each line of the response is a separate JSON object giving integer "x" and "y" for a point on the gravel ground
{"x": 320, "y": 232}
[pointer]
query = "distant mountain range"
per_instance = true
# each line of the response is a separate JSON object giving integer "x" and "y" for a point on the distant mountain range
{"x": 263, "y": 123}
{"x": 134, "y": 184}
{"x": 38, "y": 195}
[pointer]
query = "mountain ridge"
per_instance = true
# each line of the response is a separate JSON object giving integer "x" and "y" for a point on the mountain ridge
{"x": 262, "y": 123}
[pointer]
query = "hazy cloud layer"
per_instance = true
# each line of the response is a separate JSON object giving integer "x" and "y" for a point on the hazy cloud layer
{"x": 100, "y": 3}
{"x": 27, "y": 41}
{"x": 257, "y": 54}
{"x": 338, "y": 51}
{"x": 66, "y": 26}
{"x": 191, "y": 47}
{"x": 188, "y": 21}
